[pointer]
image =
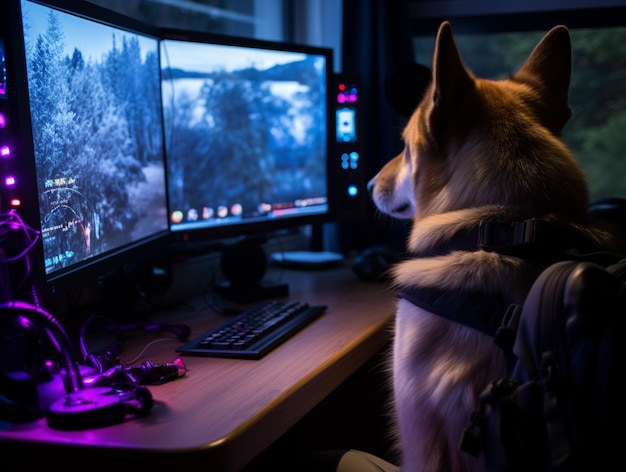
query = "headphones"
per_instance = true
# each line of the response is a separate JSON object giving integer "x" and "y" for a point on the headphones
{"x": 36, "y": 336}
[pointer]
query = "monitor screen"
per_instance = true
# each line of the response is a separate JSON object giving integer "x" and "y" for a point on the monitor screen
{"x": 95, "y": 134}
{"x": 494, "y": 46}
{"x": 247, "y": 132}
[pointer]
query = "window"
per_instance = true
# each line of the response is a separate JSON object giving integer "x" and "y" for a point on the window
{"x": 312, "y": 22}
{"x": 248, "y": 18}
{"x": 494, "y": 44}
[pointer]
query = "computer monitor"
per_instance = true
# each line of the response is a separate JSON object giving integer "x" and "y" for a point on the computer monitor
{"x": 495, "y": 45}
{"x": 248, "y": 130}
{"x": 86, "y": 134}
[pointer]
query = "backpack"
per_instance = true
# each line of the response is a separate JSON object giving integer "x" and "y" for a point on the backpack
{"x": 560, "y": 409}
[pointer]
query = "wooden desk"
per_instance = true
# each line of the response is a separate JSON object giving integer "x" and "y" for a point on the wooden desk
{"x": 225, "y": 412}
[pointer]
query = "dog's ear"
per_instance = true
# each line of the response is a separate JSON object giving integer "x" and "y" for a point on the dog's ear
{"x": 451, "y": 82}
{"x": 547, "y": 70}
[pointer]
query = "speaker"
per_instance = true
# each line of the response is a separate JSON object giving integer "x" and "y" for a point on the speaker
{"x": 244, "y": 264}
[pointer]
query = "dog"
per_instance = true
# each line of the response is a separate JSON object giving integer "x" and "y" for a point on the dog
{"x": 475, "y": 151}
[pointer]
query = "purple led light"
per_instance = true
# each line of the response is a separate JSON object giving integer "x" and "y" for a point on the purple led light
{"x": 3, "y": 120}
{"x": 346, "y": 97}
{"x": 9, "y": 181}
{"x": 5, "y": 151}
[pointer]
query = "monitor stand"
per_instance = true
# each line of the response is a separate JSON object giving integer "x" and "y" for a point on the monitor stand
{"x": 307, "y": 259}
{"x": 263, "y": 290}
{"x": 244, "y": 264}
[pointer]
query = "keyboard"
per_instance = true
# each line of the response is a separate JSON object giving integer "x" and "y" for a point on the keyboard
{"x": 255, "y": 331}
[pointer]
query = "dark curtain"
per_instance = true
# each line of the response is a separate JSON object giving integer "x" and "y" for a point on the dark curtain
{"x": 376, "y": 43}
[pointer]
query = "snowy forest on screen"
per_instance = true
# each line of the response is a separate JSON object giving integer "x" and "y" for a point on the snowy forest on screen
{"x": 97, "y": 138}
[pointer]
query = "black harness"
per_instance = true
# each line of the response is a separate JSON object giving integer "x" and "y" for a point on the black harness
{"x": 538, "y": 241}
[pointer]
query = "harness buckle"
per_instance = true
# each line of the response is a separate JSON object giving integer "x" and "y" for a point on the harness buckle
{"x": 551, "y": 236}
{"x": 493, "y": 235}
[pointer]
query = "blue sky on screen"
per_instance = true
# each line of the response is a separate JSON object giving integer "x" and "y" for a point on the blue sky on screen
{"x": 90, "y": 38}
{"x": 203, "y": 57}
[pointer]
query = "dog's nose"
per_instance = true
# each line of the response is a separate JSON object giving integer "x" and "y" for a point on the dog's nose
{"x": 370, "y": 187}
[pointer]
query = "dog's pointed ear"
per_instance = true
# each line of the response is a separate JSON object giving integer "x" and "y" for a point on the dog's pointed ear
{"x": 451, "y": 82}
{"x": 548, "y": 70}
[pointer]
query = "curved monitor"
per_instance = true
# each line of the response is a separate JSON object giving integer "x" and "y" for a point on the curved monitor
{"x": 247, "y": 134}
{"x": 88, "y": 105}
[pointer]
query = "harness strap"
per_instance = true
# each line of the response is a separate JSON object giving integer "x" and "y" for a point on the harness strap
{"x": 541, "y": 241}
{"x": 535, "y": 240}
{"x": 474, "y": 309}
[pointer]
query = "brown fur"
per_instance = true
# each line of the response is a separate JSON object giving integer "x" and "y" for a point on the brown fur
{"x": 474, "y": 149}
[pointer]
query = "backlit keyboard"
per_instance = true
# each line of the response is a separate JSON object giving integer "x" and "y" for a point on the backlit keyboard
{"x": 255, "y": 331}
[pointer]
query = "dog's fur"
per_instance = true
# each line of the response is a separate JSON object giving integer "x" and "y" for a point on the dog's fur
{"x": 474, "y": 149}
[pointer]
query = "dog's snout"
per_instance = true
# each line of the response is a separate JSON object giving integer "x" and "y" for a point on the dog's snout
{"x": 370, "y": 187}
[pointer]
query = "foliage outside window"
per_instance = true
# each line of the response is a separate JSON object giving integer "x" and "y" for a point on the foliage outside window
{"x": 596, "y": 133}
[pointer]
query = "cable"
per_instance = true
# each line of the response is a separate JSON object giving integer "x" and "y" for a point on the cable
{"x": 11, "y": 222}
{"x": 108, "y": 359}
{"x": 114, "y": 370}
{"x": 18, "y": 239}
{"x": 151, "y": 373}
{"x": 55, "y": 334}
{"x": 143, "y": 351}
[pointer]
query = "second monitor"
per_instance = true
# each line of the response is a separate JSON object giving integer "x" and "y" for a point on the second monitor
{"x": 247, "y": 134}
{"x": 248, "y": 130}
